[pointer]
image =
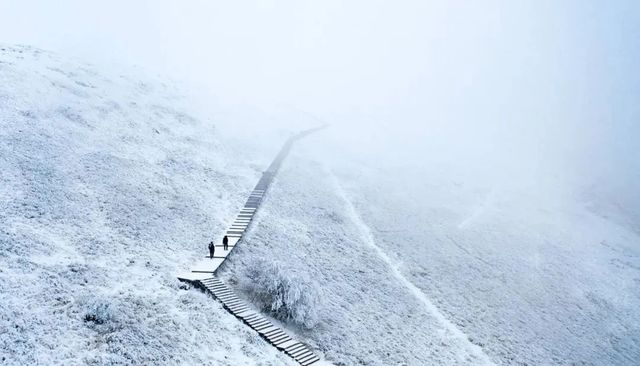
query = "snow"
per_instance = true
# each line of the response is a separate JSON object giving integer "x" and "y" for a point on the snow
{"x": 401, "y": 279}
{"x": 113, "y": 182}
{"x": 533, "y": 280}
{"x": 366, "y": 315}
{"x": 110, "y": 186}
{"x": 422, "y": 263}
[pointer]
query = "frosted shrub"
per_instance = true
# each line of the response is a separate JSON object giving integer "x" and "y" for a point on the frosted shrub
{"x": 101, "y": 313}
{"x": 288, "y": 296}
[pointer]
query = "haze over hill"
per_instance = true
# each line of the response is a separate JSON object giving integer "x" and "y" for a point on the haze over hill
{"x": 475, "y": 199}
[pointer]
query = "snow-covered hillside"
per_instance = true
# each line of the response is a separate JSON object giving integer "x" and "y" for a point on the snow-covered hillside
{"x": 112, "y": 182}
{"x": 425, "y": 263}
{"x": 109, "y": 186}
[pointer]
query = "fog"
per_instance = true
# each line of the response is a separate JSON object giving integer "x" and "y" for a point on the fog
{"x": 528, "y": 88}
{"x": 475, "y": 198}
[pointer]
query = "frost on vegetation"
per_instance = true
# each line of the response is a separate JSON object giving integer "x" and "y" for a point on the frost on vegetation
{"x": 100, "y": 313}
{"x": 98, "y": 213}
{"x": 288, "y": 296}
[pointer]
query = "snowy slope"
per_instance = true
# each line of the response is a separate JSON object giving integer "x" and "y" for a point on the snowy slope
{"x": 430, "y": 264}
{"x": 109, "y": 186}
{"x": 112, "y": 182}
{"x": 367, "y": 314}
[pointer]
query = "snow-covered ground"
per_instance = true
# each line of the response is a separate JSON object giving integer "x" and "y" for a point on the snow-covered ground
{"x": 367, "y": 314}
{"x": 112, "y": 183}
{"x": 429, "y": 264}
{"x": 109, "y": 186}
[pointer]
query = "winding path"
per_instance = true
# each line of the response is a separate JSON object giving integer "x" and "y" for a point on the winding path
{"x": 202, "y": 274}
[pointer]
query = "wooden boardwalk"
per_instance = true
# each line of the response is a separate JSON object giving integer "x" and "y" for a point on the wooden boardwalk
{"x": 273, "y": 334}
{"x": 202, "y": 273}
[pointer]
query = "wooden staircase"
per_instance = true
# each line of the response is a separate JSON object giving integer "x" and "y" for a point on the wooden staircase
{"x": 267, "y": 330}
{"x": 202, "y": 274}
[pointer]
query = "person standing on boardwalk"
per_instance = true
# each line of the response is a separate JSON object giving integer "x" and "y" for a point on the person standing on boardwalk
{"x": 212, "y": 249}
{"x": 225, "y": 243}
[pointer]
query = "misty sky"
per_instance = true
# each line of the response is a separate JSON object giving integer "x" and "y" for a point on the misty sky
{"x": 550, "y": 79}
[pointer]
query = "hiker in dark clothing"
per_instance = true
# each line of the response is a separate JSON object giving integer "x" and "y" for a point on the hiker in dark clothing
{"x": 212, "y": 250}
{"x": 225, "y": 243}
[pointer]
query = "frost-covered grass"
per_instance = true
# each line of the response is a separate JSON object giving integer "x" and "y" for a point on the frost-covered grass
{"x": 410, "y": 255}
{"x": 365, "y": 316}
{"x": 109, "y": 187}
{"x": 534, "y": 277}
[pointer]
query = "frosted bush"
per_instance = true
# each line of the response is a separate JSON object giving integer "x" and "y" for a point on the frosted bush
{"x": 100, "y": 312}
{"x": 288, "y": 296}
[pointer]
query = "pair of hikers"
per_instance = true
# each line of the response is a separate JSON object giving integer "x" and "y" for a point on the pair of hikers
{"x": 212, "y": 247}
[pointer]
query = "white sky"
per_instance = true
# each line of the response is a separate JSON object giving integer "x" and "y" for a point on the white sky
{"x": 338, "y": 54}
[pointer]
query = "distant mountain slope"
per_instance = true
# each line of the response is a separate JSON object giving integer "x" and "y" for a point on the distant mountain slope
{"x": 525, "y": 271}
{"x": 367, "y": 313}
{"x": 108, "y": 188}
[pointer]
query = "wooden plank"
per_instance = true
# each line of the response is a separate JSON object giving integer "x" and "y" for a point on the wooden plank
{"x": 262, "y": 326}
{"x": 311, "y": 361}
{"x": 244, "y": 314}
{"x": 219, "y": 288}
{"x": 297, "y": 349}
{"x": 223, "y": 293}
{"x": 268, "y": 329}
{"x": 258, "y": 321}
{"x": 230, "y": 297}
{"x": 238, "y": 309}
{"x": 294, "y": 347}
{"x": 279, "y": 338}
{"x": 274, "y": 333}
{"x": 218, "y": 285}
{"x": 306, "y": 357}
{"x": 300, "y": 351}
{"x": 276, "y": 330}
{"x": 286, "y": 344}
{"x": 230, "y": 301}
{"x": 234, "y": 302}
